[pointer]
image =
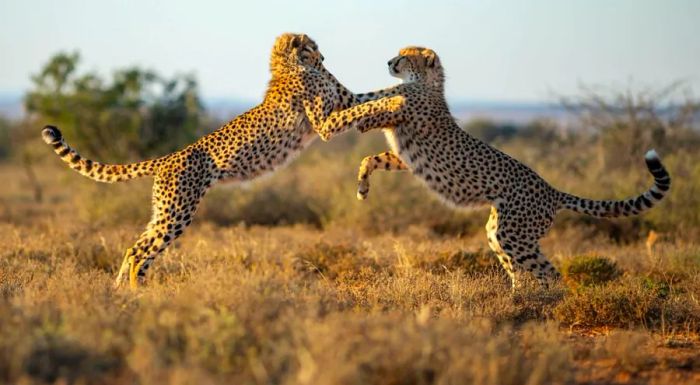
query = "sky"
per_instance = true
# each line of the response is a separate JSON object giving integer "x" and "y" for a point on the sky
{"x": 491, "y": 50}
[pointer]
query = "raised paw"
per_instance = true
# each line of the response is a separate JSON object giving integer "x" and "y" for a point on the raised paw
{"x": 396, "y": 103}
{"x": 325, "y": 135}
{"x": 362, "y": 189}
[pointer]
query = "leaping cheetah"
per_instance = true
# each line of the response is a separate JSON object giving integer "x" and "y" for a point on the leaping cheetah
{"x": 300, "y": 95}
{"x": 463, "y": 170}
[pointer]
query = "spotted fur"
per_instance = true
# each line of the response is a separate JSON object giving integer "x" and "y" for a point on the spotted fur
{"x": 463, "y": 170}
{"x": 300, "y": 95}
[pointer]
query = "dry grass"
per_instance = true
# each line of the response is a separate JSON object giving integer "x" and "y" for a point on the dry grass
{"x": 315, "y": 293}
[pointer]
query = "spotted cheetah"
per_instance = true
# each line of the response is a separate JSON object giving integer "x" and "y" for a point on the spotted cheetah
{"x": 300, "y": 95}
{"x": 425, "y": 139}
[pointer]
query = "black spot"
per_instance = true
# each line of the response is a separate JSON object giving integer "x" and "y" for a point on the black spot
{"x": 656, "y": 195}
{"x": 638, "y": 204}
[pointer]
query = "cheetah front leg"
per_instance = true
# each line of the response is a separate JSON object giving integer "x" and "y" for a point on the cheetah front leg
{"x": 385, "y": 112}
{"x": 387, "y": 161}
{"x": 315, "y": 111}
{"x": 374, "y": 95}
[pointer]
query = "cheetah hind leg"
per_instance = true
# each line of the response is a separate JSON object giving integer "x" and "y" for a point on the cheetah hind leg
{"x": 129, "y": 256}
{"x": 518, "y": 252}
{"x": 170, "y": 218}
{"x": 170, "y": 226}
{"x": 124, "y": 269}
{"x": 157, "y": 237}
{"x": 503, "y": 258}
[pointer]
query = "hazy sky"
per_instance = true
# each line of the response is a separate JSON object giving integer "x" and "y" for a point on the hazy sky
{"x": 492, "y": 50}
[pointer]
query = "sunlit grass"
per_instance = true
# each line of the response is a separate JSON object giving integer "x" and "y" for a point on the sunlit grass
{"x": 292, "y": 281}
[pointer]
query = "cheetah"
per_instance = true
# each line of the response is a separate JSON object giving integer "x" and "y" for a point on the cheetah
{"x": 300, "y": 94}
{"x": 464, "y": 171}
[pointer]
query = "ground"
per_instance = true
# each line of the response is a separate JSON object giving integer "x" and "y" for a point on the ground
{"x": 324, "y": 303}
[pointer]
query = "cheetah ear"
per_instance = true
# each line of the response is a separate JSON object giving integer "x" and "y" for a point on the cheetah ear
{"x": 296, "y": 41}
{"x": 431, "y": 60}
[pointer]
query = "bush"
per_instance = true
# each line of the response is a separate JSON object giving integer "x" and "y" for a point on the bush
{"x": 5, "y": 146}
{"x": 588, "y": 270}
{"x": 629, "y": 303}
{"x": 480, "y": 262}
{"x": 136, "y": 114}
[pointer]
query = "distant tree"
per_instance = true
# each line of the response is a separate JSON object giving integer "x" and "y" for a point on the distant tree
{"x": 628, "y": 123}
{"x": 490, "y": 131}
{"x": 5, "y": 128}
{"x": 135, "y": 114}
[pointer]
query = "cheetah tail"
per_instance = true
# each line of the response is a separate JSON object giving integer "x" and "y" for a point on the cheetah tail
{"x": 626, "y": 207}
{"x": 100, "y": 172}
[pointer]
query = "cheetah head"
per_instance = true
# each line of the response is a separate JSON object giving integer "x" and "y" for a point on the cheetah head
{"x": 291, "y": 50}
{"x": 417, "y": 64}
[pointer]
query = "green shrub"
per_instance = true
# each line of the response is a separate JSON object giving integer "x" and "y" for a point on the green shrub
{"x": 586, "y": 270}
{"x": 629, "y": 302}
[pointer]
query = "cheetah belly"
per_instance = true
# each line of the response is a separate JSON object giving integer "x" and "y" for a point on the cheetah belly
{"x": 272, "y": 161}
{"x": 454, "y": 192}
{"x": 392, "y": 140}
{"x": 268, "y": 151}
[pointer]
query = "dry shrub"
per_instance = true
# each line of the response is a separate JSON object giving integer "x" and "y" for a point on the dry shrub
{"x": 479, "y": 262}
{"x": 333, "y": 261}
{"x": 628, "y": 348}
{"x": 109, "y": 204}
{"x": 53, "y": 357}
{"x": 395, "y": 350}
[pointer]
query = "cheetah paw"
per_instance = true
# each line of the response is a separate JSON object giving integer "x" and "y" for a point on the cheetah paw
{"x": 325, "y": 135}
{"x": 396, "y": 103}
{"x": 362, "y": 190}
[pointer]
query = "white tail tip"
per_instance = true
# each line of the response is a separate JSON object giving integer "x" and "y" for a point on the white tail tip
{"x": 651, "y": 154}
